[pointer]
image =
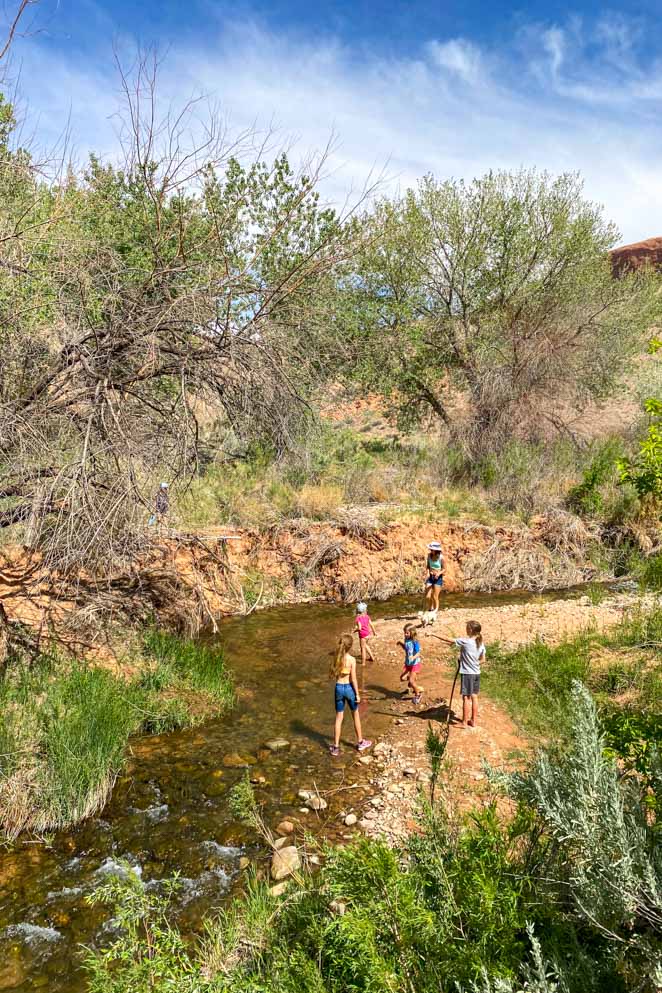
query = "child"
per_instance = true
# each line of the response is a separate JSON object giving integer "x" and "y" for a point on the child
{"x": 472, "y": 649}
{"x": 343, "y": 670}
{"x": 435, "y": 567}
{"x": 364, "y": 628}
{"x": 412, "y": 662}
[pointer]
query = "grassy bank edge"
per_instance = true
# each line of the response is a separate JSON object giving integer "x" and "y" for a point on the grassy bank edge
{"x": 65, "y": 724}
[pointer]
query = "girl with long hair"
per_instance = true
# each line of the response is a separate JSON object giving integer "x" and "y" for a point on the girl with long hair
{"x": 343, "y": 671}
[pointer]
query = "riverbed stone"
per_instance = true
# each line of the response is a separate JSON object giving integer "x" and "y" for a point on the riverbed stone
{"x": 277, "y": 744}
{"x": 280, "y": 843}
{"x": 284, "y": 862}
{"x": 317, "y": 803}
{"x": 410, "y": 770}
{"x": 236, "y": 761}
{"x": 278, "y": 889}
{"x": 285, "y": 827}
{"x": 350, "y": 820}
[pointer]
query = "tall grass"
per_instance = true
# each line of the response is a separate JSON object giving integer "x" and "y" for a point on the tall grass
{"x": 64, "y": 725}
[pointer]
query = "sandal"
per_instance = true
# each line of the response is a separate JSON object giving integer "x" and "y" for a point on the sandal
{"x": 335, "y": 751}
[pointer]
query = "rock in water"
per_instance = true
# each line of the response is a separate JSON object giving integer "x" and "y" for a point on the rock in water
{"x": 277, "y": 744}
{"x": 317, "y": 803}
{"x": 284, "y": 862}
{"x": 285, "y": 827}
{"x": 236, "y": 761}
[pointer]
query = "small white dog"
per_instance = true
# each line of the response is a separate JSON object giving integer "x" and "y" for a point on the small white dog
{"x": 427, "y": 617}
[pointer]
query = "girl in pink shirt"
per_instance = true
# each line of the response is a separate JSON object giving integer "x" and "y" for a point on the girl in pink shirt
{"x": 364, "y": 628}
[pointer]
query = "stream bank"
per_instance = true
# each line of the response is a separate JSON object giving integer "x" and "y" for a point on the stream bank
{"x": 170, "y": 813}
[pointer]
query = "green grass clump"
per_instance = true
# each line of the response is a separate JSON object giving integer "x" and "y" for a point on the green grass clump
{"x": 182, "y": 662}
{"x": 534, "y": 681}
{"x": 64, "y": 724}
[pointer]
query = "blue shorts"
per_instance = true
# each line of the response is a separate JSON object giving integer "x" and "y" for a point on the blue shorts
{"x": 435, "y": 580}
{"x": 345, "y": 694}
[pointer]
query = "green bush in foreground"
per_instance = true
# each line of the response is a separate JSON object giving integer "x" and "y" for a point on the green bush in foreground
{"x": 565, "y": 897}
{"x": 64, "y": 725}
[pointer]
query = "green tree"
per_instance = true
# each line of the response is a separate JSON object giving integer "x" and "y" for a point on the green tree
{"x": 500, "y": 289}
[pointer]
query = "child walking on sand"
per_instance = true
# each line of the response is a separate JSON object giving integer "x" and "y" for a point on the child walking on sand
{"x": 472, "y": 649}
{"x": 363, "y": 626}
{"x": 343, "y": 670}
{"x": 412, "y": 662}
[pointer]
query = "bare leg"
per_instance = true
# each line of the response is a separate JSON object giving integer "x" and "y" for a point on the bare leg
{"x": 339, "y": 718}
{"x": 362, "y": 646}
{"x": 474, "y": 711}
{"x": 429, "y": 594}
{"x": 357, "y": 724}
{"x": 466, "y": 704}
{"x": 435, "y": 596}
{"x": 369, "y": 650}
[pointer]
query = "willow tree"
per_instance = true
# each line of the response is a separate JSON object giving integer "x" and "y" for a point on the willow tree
{"x": 500, "y": 292}
{"x": 135, "y": 295}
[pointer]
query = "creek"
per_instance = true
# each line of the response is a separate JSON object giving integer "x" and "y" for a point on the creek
{"x": 169, "y": 810}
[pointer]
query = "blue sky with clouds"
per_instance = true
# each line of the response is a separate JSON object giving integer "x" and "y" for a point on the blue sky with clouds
{"x": 453, "y": 87}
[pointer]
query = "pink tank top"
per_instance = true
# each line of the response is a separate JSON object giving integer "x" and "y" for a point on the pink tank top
{"x": 363, "y": 624}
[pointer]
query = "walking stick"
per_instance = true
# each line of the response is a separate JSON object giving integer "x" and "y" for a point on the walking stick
{"x": 450, "y": 702}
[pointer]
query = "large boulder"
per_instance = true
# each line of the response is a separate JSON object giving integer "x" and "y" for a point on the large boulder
{"x": 284, "y": 862}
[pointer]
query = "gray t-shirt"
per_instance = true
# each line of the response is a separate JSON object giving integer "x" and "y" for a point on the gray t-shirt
{"x": 470, "y": 656}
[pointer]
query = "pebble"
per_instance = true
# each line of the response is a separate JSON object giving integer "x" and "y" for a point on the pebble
{"x": 350, "y": 820}
{"x": 284, "y": 862}
{"x": 364, "y": 823}
{"x": 409, "y": 770}
{"x": 285, "y": 827}
{"x": 366, "y": 759}
{"x": 305, "y": 794}
{"x": 259, "y": 780}
{"x": 377, "y": 801}
{"x": 317, "y": 803}
{"x": 278, "y": 889}
{"x": 244, "y": 863}
{"x": 281, "y": 843}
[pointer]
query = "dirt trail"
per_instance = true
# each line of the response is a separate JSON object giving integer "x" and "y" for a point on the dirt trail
{"x": 400, "y": 760}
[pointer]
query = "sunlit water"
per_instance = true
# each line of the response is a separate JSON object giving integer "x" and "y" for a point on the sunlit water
{"x": 169, "y": 813}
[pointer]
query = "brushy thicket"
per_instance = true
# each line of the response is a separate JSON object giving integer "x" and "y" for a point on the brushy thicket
{"x": 64, "y": 724}
{"x": 563, "y": 897}
{"x": 342, "y": 465}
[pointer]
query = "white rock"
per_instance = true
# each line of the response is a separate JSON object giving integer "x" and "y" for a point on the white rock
{"x": 350, "y": 820}
{"x": 410, "y": 770}
{"x": 317, "y": 803}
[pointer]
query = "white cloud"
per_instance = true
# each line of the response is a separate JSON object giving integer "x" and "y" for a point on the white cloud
{"x": 459, "y": 56}
{"x": 554, "y": 100}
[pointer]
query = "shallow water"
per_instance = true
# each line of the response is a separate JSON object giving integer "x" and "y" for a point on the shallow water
{"x": 169, "y": 812}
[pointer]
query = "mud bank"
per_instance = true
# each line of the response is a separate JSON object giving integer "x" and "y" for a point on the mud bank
{"x": 191, "y": 580}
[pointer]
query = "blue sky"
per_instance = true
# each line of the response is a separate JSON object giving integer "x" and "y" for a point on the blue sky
{"x": 453, "y": 87}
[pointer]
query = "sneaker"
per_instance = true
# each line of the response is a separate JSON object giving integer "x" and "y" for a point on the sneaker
{"x": 417, "y": 699}
{"x": 335, "y": 751}
{"x": 362, "y": 745}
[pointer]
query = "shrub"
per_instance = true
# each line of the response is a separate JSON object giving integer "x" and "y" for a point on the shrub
{"x": 319, "y": 501}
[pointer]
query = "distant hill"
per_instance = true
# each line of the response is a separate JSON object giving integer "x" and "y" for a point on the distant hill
{"x": 638, "y": 254}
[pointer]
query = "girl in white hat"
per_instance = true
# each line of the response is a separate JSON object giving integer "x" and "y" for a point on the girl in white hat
{"x": 435, "y": 580}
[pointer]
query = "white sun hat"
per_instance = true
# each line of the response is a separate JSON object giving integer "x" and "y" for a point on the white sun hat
{"x": 362, "y": 607}
{"x": 435, "y": 546}
{"x": 165, "y": 486}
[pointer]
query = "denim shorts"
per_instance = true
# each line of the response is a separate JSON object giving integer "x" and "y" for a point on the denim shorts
{"x": 435, "y": 580}
{"x": 470, "y": 683}
{"x": 345, "y": 694}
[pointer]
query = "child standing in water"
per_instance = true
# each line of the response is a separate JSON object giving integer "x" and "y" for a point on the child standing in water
{"x": 435, "y": 580}
{"x": 343, "y": 670}
{"x": 412, "y": 662}
{"x": 472, "y": 649}
{"x": 363, "y": 626}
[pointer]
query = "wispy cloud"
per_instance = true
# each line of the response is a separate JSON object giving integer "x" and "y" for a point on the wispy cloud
{"x": 572, "y": 96}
